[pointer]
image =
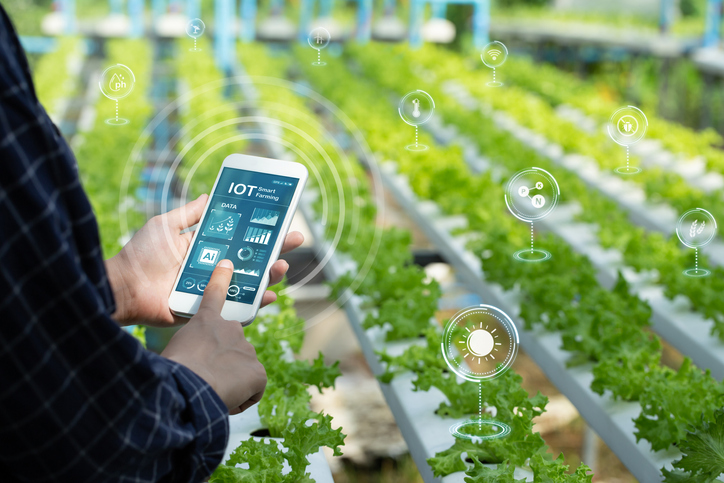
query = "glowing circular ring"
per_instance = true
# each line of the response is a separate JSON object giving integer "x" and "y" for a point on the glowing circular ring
{"x": 460, "y": 350}
{"x": 195, "y": 28}
{"x": 119, "y": 68}
{"x": 412, "y": 121}
{"x": 319, "y": 38}
{"x": 544, "y": 255}
{"x": 627, "y": 170}
{"x": 496, "y": 53}
{"x": 622, "y": 138}
{"x": 697, "y": 272}
{"x": 504, "y": 430}
{"x": 511, "y": 192}
{"x": 684, "y": 227}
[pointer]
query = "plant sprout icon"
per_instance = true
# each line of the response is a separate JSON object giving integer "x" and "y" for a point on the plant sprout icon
{"x": 693, "y": 231}
{"x": 225, "y": 225}
{"x": 538, "y": 201}
{"x": 416, "y": 108}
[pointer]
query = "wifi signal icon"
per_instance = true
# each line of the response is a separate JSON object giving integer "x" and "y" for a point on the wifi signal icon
{"x": 494, "y": 53}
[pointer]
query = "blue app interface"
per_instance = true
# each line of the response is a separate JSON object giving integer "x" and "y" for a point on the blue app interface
{"x": 242, "y": 224}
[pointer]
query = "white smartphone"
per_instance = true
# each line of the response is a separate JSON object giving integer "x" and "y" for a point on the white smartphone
{"x": 246, "y": 221}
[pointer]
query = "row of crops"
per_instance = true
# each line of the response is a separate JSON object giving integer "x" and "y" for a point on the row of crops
{"x": 605, "y": 327}
{"x": 605, "y": 330}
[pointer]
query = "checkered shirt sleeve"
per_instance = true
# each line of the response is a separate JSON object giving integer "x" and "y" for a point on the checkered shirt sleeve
{"x": 80, "y": 399}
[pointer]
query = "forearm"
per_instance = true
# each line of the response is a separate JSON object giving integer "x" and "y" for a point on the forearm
{"x": 122, "y": 292}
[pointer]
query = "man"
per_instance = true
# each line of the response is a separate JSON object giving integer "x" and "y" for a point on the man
{"x": 80, "y": 399}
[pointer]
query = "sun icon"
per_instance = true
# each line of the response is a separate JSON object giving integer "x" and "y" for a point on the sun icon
{"x": 480, "y": 343}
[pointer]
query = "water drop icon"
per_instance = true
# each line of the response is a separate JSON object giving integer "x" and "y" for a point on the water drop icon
{"x": 115, "y": 83}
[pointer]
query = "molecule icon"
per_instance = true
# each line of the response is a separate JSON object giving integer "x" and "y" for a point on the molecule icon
{"x": 538, "y": 201}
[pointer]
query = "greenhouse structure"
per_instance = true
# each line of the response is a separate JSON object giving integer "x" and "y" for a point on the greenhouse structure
{"x": 510, "y": 270}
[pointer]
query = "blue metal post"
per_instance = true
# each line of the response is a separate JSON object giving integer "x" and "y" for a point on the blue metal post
{"x": 417, "y": 10}
{"x": 325, "y": 8}
{"x": 389, "y": 7}
{"x": 158, "y": 8}
{"x": 276, "y": 7}
{"x": 224, "y": 39}
{"x": 306, "y": 9}
{"x": 481, "y": 23}
{"x": 712, "y": 30}
{"x": 116, "y": 6}
{"x": 666, "y": 15}
{"x": 248, "y": 20}
{"x": 439, "y": 9}
{"x": 135, "y": 13}
{"x": 364, "y": 21}
{"x": 193, "y": 8}
{"x": 68, "y": 9}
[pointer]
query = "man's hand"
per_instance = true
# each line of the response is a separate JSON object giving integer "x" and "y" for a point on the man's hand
{"x": 143, "y": 272}
{"x": 217, "y": 350}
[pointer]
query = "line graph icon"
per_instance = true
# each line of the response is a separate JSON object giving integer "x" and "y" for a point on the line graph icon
{"x": 265, "y": 217}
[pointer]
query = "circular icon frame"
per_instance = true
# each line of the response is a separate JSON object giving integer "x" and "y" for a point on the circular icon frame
{"x": 627, "y": 126}
{"x": 103, "y": 81}
{"x": 686, "y": 231}
{"x": 513, "y": 191}
{"x": 195, "y": 28}
{"x": 461, "y": 346}
{"x": 317, "y": 37}
{"x": 420, "y": 119}
{"x": 494, "y": 54}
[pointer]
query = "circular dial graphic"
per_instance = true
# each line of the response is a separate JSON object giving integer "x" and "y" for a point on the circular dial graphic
{"x": 627, "y": 125}
{"x": 532, "y": 194}
{"x": 480, "y": 342}
{"x": 696, "y": 228}
{"x": 416, "y": 107}
{"x": 494, "y": 54}
{"x": 245, "y": 254}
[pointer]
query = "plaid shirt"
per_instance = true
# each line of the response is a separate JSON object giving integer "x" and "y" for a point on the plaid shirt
{"x": 80, "y": 399}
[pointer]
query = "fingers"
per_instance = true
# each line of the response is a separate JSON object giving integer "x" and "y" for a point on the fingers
{"x": 268, "y": 298}
{"x": 215, "y": 291}
{"x": 189, "y": 214}
{"x": 293, "y": 240}
{"x": 277, "y": 271}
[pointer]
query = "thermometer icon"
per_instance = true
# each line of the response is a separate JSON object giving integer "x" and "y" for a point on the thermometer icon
{"x": 416, "y": 108}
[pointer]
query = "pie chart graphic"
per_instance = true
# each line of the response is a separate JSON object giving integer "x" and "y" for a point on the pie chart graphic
{"x": 245, "y": 254}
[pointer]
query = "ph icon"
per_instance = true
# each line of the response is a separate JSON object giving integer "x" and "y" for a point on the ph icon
{"x": 117, "y": 82}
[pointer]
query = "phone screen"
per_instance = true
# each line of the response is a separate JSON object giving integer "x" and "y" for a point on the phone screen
{"x": 242, "y": 223}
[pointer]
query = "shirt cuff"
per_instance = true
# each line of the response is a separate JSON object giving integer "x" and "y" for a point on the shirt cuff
{"x": 208, "y": 414}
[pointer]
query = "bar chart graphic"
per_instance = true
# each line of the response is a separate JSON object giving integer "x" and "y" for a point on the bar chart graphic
{"x": 265, "y": 217}
{"x": 257, "y": 235}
